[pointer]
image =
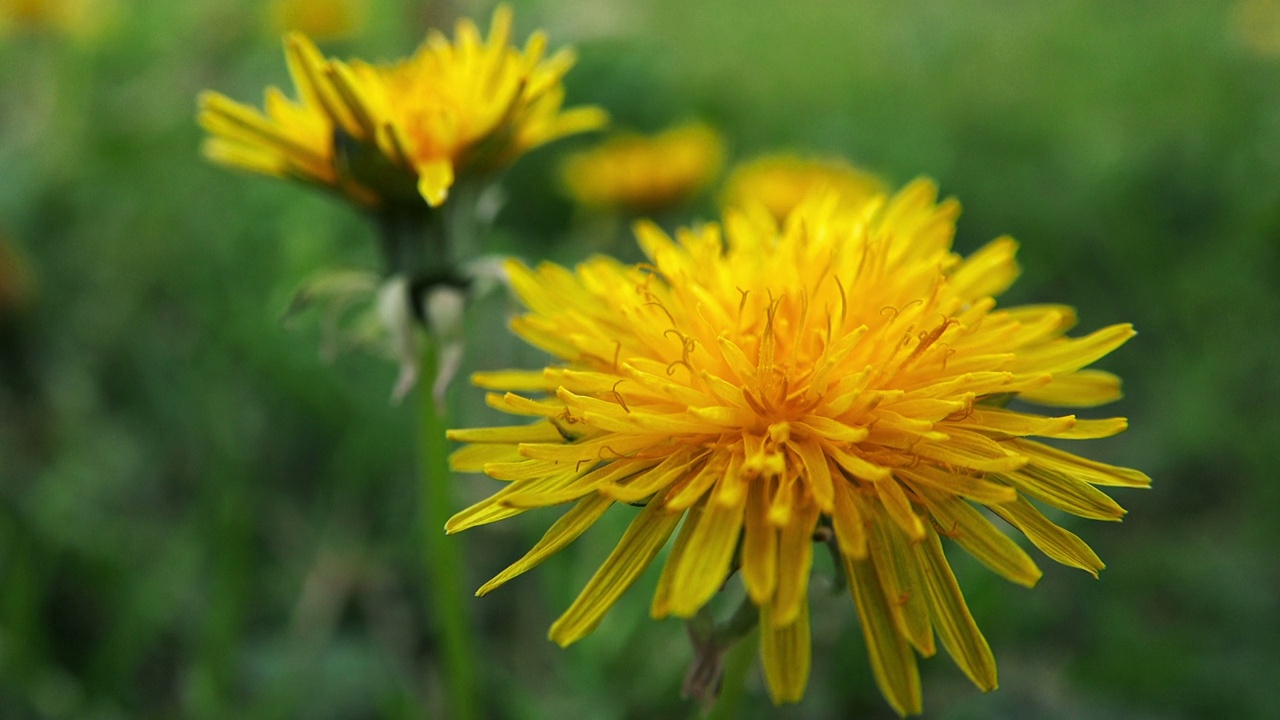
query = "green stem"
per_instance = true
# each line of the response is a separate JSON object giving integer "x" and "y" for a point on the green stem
{"x": 443, "y": 560}
{"x": 733, "y": 688}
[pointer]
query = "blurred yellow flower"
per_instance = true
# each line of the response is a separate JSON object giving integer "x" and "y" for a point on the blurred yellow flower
{"x": 319, "y": 19}
{"x": 781, "y": 182}
{"x": 390, "y": 133}
{"x": 81, "y": 18}
{"x": 643, "y": 173}
{"x": 1257, "y": 24}
{"x": 840, "y": 378}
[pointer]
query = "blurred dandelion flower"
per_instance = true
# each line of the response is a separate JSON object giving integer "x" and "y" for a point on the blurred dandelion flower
{"x": 389, "y": 134}
{"x": 643, "y": 173}
{"x": 1256, "y": 23}
{"x": 839, "y": 378}
{"x": 319, "y": 19}
{"x": 781, "y": 182}
{"x": 77, "y": 18}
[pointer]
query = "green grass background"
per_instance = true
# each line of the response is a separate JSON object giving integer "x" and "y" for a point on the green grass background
{"x": 200, "y": 517}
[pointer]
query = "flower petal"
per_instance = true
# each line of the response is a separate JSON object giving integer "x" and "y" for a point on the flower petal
{"x": 643, "y": 539}
{"x": 892, "y": 661}
{"x": 565, "y": 530}
{"x": 785, "y": 654}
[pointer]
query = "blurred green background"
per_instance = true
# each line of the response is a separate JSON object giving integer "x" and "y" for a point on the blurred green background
{"x": 202, "y": 517}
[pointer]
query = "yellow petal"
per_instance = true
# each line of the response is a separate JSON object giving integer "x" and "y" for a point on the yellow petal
{"x": 434, "y": 180}
{"x": 959, "y": 521}
{"x": 517, "y": 405}
{"x": 989, "y": 271}
{"x": 637, "y": 548}
{"x": 473, "y": 458}
{"x": 855, "y": 464}
{"x": 661, "y": 605}
{"x": 1090, "y": 471}
{"x": 597, "y": 449}
{"x": 1058, "y": 543}
{"x": 971, "y": 450}
{"x": 785, "y": 654}
{"x": 1065, "y": 493}
{"x": 851, "y": 533}
{"x": 692, "y": 488}
{"x": 1092, "y": 429}
{"x": 1008, "y": 423}
{"x": 902, "y": 583}
{"x": 513, "y": 380}
{"x": 1083, "y": 388}
{"x": 536, "y": 432}
{"x": 899, "y": 508}
{"x": 304, "y": 58}
{"x": 892, "y": 661}
{"x": 966, "y": 485}
{"x": 1069, "y": 355}
{"x": 617, "y": 471}
{"x": 495, "y": 508}
{"x": 347, "y": 86}
{"x": 647, "y": 483}
{"x": 565, "y": 530}
{"x": 759, "y": 547}
{"x": 959, "y": 633}
{"x": 703, "y": 570}
{"x": 795, "y": 560}
{"x": 817, "y": 472}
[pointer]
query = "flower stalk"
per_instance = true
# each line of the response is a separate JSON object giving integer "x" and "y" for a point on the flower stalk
{"x": 417, "y": 244}
{"x": 710, "y": 677}
{"x": 443, "y": 559}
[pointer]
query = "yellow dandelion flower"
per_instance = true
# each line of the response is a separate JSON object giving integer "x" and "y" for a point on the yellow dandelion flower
{"x": 1257, "y": 25}
{"x": 390, "y": 133}
{"x": 78, "y": 18}
{"x": 841, "y": 376}
{"x": 319, "y": 19}
{"x": 781, "y": 182}
{"x": 643, "y": 173}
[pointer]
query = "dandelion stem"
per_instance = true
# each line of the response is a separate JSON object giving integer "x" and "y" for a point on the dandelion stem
{"x": 443, "y": 559}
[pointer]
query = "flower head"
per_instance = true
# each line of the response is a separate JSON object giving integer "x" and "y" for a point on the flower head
{"x": 75, "y": 18}
{"x": 840, "y": 377}
{"x": 1256, "y": 23}
{"x": 385, "y": 134}
{"x": 646, "y": 173}
{"x": 781, "y": 182}
{"x": 319, "y": 19}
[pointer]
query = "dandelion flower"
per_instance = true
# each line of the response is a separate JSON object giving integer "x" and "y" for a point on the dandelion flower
{"x": 319, "y": 19}
{"x": 781, "y": 182}
{"x": 387, "y": 134}
{"x": 643, "y": 173}
{"x": 75, "y": 18}
{"x": 1256, "y": 23}
{"x": 842, "y": 376}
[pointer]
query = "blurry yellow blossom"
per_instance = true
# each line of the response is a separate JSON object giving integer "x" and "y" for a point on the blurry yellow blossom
{"x": 1257, "y": 24}
{"x": 841, "y": 378}
{"x": 643, "y": 173}
{"x": 781, "y": 182}
{"x": 387, "y": 134}
{"x": 319, "y": 19}
{"x": 76, "y": 18}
